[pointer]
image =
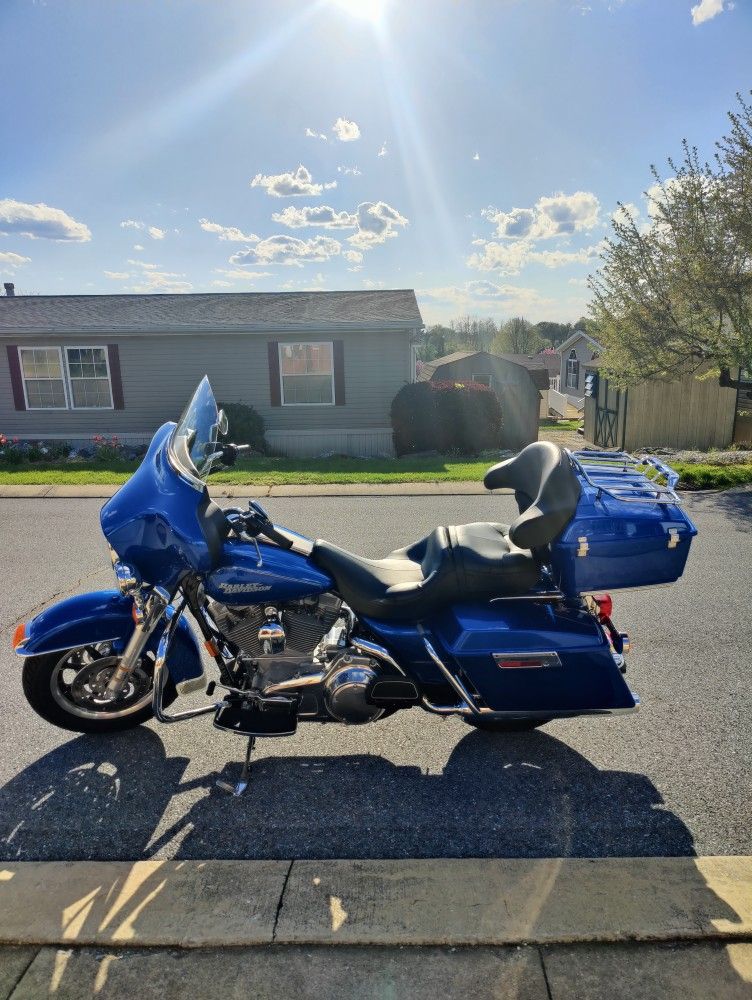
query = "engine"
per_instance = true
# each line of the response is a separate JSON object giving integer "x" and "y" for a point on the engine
{"x": 303, "y": 624}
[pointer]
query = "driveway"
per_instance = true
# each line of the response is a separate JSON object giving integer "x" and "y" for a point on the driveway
{"x": 670, "y": 780}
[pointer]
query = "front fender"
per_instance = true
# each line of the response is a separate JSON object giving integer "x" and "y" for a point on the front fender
{"x": 105, "y": 616}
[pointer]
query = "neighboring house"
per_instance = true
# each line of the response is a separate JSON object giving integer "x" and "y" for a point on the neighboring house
{"x": 688, "y": 413}
{"x": 321, "y": 368}
{"x": 575, "y": 353}
{"x": 515, "y": 378}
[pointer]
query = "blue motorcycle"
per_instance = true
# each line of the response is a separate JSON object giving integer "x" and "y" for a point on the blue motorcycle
{"x": 503, "y": 625}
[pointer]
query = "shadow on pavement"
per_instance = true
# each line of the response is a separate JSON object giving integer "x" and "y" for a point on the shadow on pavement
{"x": 516, "y": 795}
{"x": 735, "y": 504}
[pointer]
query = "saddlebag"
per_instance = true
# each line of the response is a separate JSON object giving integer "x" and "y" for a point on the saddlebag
{"x": 627, "y": 531}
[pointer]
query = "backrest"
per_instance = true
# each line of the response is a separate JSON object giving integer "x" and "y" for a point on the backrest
{"x": 546, "y": 488}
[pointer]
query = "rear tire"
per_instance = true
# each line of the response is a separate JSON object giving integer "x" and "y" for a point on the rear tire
{"x": 505, "y": 725}
{"x": 52, "y": 699}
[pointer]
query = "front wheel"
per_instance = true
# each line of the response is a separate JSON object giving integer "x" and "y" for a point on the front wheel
{"x": 67, "y": 689}
{"x": 504, "y": 725}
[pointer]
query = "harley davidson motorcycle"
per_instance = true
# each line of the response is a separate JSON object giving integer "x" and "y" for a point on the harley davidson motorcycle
{"x": 503, "y": 625}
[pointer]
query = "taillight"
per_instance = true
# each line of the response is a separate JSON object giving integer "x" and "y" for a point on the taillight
{"x": 605, "y": 606}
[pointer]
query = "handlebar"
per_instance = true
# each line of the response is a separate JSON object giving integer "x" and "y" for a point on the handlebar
{"x": 255, "y": 521}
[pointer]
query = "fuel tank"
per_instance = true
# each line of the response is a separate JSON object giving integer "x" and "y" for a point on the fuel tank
{"x": 244, "y": 577}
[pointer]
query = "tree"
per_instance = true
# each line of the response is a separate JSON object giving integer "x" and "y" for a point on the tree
{"x": 433, "y": 342}
{"x": 674, "y": 297}
{"x": 473, "y": 333}
{"x": 554, "y": 333}
{"x": 518, "y": 336}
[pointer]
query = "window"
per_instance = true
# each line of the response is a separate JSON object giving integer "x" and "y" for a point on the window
{"x": 42, "y": 372}
{"x": 81, "y": 382}
{"x": 89, "y": 378}
{"x": 482, "y": 379}
{"x": 573, "y": 370}
{"x": 307, "y": 374}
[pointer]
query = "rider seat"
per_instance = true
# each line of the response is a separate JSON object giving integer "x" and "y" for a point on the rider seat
{"x": 469, "y": 561}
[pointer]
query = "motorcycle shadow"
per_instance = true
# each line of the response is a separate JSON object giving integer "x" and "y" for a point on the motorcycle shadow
{"x": 517, "y": 795}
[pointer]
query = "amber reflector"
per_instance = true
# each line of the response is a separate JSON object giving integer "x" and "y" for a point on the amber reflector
{"x": 19, "y": 635}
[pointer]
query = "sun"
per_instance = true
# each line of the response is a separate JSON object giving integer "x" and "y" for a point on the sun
{"x": 366, "y": 10}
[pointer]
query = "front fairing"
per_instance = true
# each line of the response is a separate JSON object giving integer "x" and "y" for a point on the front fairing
{"x": 153, "y": 521}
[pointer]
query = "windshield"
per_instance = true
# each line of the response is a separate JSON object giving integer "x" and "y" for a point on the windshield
{"x": 194, "y": 440}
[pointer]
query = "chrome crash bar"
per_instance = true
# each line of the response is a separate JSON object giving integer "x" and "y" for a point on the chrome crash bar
{"x": 160, "y": 675}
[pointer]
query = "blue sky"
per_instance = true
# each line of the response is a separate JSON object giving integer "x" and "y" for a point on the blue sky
{"x": 471, "y": 149}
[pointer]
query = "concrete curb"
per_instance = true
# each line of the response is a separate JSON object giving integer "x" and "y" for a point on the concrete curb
{"x": 222, "y": 491}
{"x": 190, "y": 904}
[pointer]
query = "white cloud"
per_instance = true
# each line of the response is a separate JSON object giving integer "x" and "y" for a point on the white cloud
{"x": 236, "y": 274}
{"x": 370, "y": 283}
{"x": 144, "y": 265}
{"x": 383, "y": 151}
{"x": 489, "y": 295}
{"x": 350, "y": 171}
{"x": 578, "y": 282}
{"x": 345, "y": 130}
{"x": 288, "y": 250}
{"x": 554, "y": 215}
{"x": 14, "y": 259}
{"x": 220, "y": 283}
{"x": 354, "y": 256}
{"x": 132, "y": 224}
{"x": 376, "y": 222}
{"x": 230, "y": 233}
{"x": 510, "y": 258}
{"x": 162, "y": 281}
{"x": 137, "y": 246}
{"x": 705, "y": 10}
{"x": 476, "y": 156}
{"x": 156, "y": 234}
{"x": 117, "y": 275}
{"x": 313, "y": 134}
{"x": 40, "y": 222}
{"x": 291, "y": 184}
{"x": 315, "y": 215}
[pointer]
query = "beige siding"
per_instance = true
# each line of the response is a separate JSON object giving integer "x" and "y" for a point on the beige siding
{"x": 159, "y": 373}
{"x": 690, "y": 413}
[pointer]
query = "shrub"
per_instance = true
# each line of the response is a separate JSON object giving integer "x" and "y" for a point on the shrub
{"x": 11, "y": 451}
{"x": 107, "y": 449}
{"x": 246, "y": 425}
{"x": 460, "y": 417}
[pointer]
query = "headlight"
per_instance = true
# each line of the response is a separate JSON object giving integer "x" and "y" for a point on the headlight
{"x": 128, "y": 578}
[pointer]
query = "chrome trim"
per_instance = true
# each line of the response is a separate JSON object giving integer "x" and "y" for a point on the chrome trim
{"x": 154, "y": 608}
{"x": 550, "y": 659}
{"x": 455, "y": 683}
{"x": 293, "y": 683}
{"x": 372, "y": 649}
{"x": 127, "y": 577}
{"x": 567, "y": 713}
{"x": 542, "y": 595}
{"x": 602, "y": 469}
{"x": 179, "y": 468}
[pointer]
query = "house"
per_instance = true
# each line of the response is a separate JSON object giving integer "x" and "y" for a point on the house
{"x": 517, "y": 380}
{"x": 566, "y": 398}
{"x": 321, "y": 368}
{"x": 687, "y": 413}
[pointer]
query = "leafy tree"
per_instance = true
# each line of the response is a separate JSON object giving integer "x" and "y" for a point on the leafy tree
{"x": 674, "y": 297}
{"x": 473, "y": 333}
{"x": 433, "y": 342}
{"x": 554, "y": 333}
{"x": 518, "y": 336}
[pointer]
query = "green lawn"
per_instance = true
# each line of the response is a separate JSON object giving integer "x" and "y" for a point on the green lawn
{"x": 298, "y": 471}
{"x": 559, "y": 425}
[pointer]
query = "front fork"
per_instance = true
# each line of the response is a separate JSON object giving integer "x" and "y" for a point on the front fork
{"x": 147, "y": 616}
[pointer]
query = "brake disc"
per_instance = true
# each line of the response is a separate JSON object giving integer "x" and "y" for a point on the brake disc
{"x": 89, "y": 687}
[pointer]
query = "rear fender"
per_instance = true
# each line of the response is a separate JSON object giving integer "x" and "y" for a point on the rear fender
{"x": 106, "y": 616}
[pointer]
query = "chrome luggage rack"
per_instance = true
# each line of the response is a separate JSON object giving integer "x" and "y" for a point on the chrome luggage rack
{"x": 624, "y": 477}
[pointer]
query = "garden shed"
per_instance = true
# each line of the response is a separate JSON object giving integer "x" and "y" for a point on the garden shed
{"x": 691, "y": 413}
{"x": 517, "y": 381}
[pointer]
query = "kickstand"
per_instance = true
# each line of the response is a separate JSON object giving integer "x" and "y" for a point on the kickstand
{"x": 241, "y": 786}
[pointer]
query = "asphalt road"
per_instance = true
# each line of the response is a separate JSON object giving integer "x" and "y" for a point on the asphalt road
{"x": 670, "y": 780}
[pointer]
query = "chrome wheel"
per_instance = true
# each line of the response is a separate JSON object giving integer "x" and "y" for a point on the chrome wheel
{"x": 78, "y": 684}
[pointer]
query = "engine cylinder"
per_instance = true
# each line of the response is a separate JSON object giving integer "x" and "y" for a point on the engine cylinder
{"x": 346, "y": 688}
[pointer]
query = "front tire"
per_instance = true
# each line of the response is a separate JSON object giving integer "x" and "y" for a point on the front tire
{"x": 504, "y": 725}
{"x": 65, "y": 687}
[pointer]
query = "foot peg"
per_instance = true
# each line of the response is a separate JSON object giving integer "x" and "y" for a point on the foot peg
{"x": 239, "y": 787}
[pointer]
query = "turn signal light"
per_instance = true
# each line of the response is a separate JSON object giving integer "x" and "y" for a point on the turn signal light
{"x": 605, "y": 605}
{"x": 19, "y": 635}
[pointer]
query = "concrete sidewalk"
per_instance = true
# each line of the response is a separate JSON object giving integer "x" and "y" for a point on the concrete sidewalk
{"x": 548, "y": 928}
